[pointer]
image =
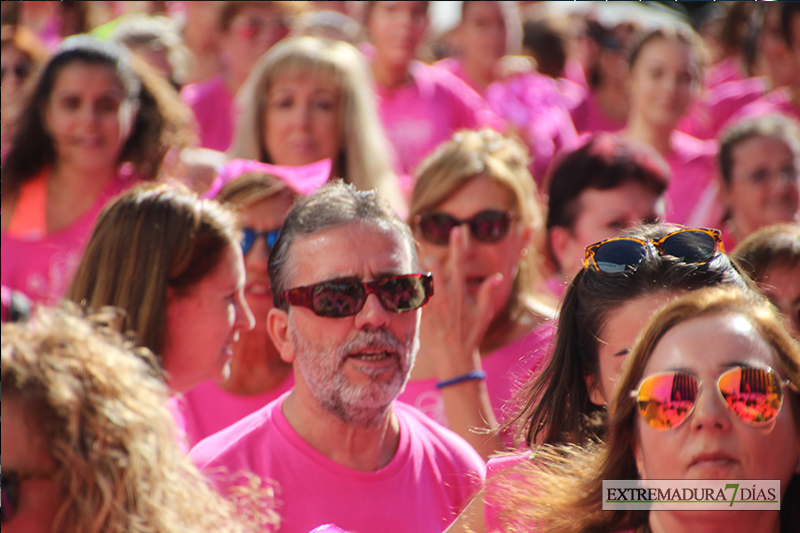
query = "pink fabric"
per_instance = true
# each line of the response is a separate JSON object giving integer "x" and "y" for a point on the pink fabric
{"x": 536, "y": 108}
{"x": 506, "y": 370}
{"x": 589, "y": 117}
{"x": 42, "y": 268}
{"x": 723, "y": 71}
{"x": 456, "y": 67}
{"x": 420, "y": 115}
{"x": 208, "y": 408}
{"x": 302, "y": 180}
{"x": 693, "y": 166}
{"x": 777, "y": 101}
{"x": 213, "y": 107}
{"x": 713, "y": 111}
{"x": 500, "y": 468}
{"x": 430, "y": 479}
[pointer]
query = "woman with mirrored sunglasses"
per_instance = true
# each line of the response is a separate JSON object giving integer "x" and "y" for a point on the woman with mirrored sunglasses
{"x": 601, "y": 315}
{"x": 476, "y": 215}
{"x": 88, "y": 444}
{"x": 710, "y": 392}
{"x": 262, "y": 194}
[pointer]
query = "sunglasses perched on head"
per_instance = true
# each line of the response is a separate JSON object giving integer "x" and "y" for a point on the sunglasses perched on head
{"x": 691, "y": 245}
{"x": 249, "y": 236}
{"x": 486, "y": 226}
{"x": 340, "y": 298}
{"x": 667, "y": 399}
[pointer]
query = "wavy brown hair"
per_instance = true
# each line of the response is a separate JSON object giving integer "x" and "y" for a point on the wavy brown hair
{"x": 102, "y": 411}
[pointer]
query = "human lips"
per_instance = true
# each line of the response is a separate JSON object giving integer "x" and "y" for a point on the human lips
{"x": 713, "y": 460}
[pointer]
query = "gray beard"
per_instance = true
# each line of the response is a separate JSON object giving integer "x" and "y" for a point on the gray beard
{"x": 359, "y": 404}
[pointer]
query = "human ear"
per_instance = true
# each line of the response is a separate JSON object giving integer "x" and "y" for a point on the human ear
{"x": 278, "y": 329}
{"x": 639, "y": 456}
{"x": 560, "y": 239}
{"x": 593, "y": 388}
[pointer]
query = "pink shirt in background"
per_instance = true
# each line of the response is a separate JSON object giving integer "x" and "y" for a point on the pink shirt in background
{"x": 777, "y": 101}
{"x": 213, "y": 107}
{"x": 536, "y": 108}
{"x": 430, "y": 479}
{"x": 589, "y": 117}
{"x": 506, "y": 370}
{"x": 42, "y": 266}
{"x": 425, "y": 112}
{"x": 456, "y": 67}
{"x": 208, "y": 408}
{"x": 713, "y": 111}
{"x": 693, "y": 165}
{"x": 723, "y": 71}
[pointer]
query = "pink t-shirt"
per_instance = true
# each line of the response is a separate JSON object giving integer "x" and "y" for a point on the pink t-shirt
{"x": 425, "y": 112}
{"x": 713, "y": 111}
{"x": 213, "y": 108}
{"x": 722, "y": 72}
{"x": 693, "y": 165}
{"x": 208, "y": 408}
{"x": 42, "y": 266}
{"x": 535, "y": 106}
{"x": 589, "y": 117}
{"x": 777, "y": 101}
{"x": 506, "y": 370}
{"x": 430, "y": 479}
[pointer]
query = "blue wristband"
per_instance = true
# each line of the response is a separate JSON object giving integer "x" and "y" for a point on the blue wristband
{"x": 475, "y": 374}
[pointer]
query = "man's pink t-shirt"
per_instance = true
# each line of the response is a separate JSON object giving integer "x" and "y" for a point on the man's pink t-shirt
{"x": 715, "y": 108}
{"x": 208, "y": 408}
{"x": 536, "y": 107}
{"x": 42, "y": 266}
{"x": 213, "y": 107}
{"x": 433, "y": 475}
{"x": 589, "y": 117}
{"x": 506, "y": 370}
{"x": 425, "y": 112}
{"x": 693, "y": 165}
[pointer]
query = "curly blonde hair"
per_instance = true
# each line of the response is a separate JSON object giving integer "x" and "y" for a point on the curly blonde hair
{"x": 102, "y": 411}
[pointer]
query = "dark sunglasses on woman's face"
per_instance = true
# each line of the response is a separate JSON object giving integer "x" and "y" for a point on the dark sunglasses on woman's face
{"x": 487, "y": 226}
{"x": 249, "y": 236}
{"x": 340, "y": 298}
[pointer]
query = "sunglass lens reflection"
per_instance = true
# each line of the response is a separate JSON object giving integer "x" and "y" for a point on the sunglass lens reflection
{"x": 666, "y": 400}
{"x": 754, "y": 394}
{"x": 336, "y": 299}
{"x": 690, "y": 246}
{"x": 617, "y": 255}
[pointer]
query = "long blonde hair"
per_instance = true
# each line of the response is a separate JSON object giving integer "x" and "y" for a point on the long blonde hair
{"x": 102, "y": 411}
{"x": 365, "y": 158}
{"x": 503, "y": 160}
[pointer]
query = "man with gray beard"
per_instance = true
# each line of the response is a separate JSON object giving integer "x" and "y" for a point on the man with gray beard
{"x": 348, "y": 294}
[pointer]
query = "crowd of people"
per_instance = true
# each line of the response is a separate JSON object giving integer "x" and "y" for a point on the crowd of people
{"x": 396, "y": 266}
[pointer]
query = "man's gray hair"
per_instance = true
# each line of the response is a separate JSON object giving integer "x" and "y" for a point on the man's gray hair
{"x": 334, "y": 205}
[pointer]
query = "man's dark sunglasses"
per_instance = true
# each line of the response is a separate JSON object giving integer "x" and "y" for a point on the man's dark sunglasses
{"x": 341, "y": 298}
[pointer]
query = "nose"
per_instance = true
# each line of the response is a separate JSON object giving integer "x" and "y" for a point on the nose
{"x": 244, "y": 317}
{"x": 373, "y": 315}
{"x": 257, "y": 258}
{"x": 709, "y": 411}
